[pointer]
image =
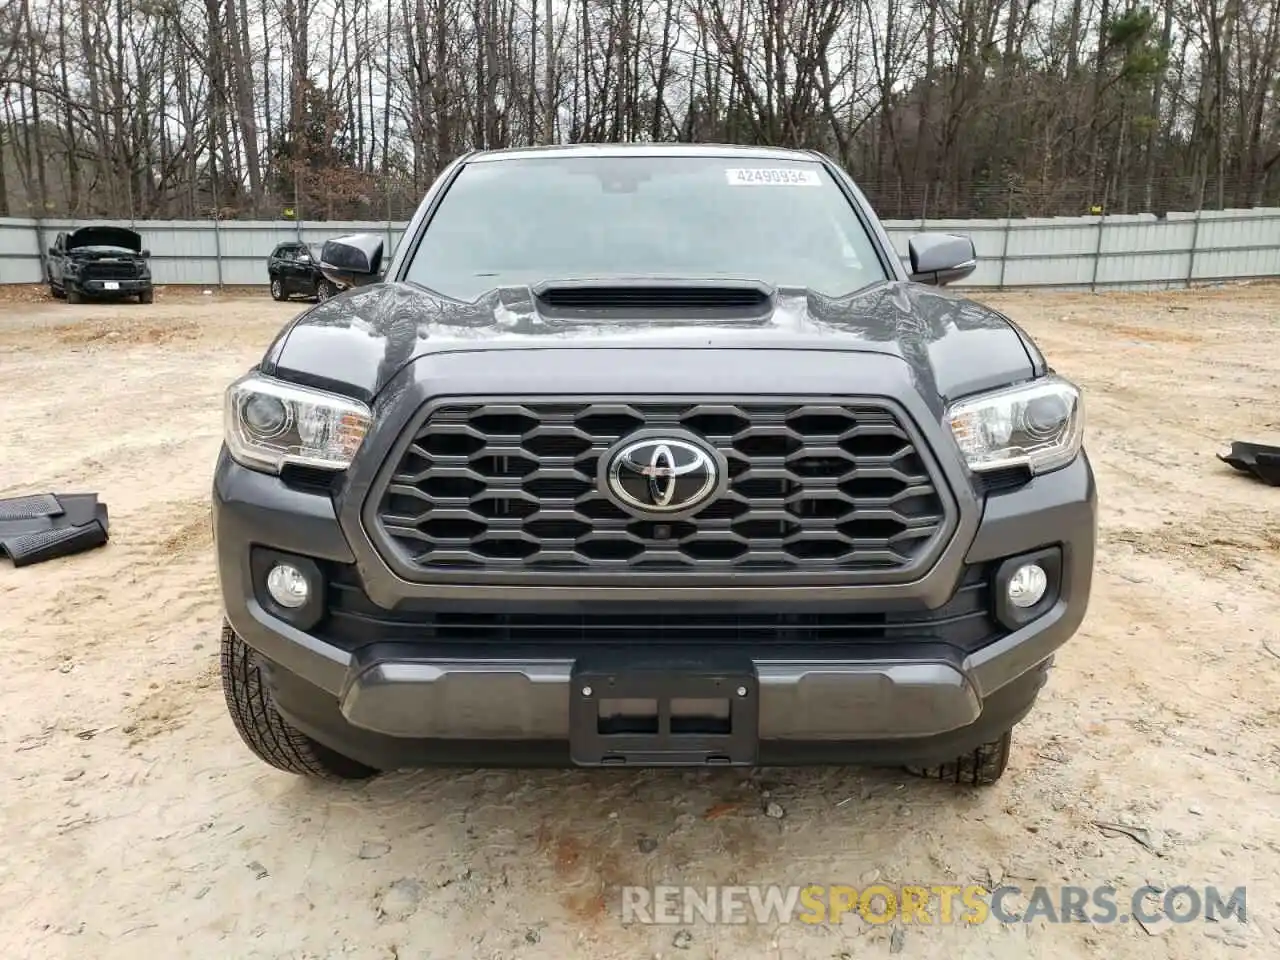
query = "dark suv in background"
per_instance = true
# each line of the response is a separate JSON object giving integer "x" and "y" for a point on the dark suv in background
{"x": 294, "y": 270}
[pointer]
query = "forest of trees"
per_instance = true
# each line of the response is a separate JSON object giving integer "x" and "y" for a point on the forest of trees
{"x": 328, "y": 109}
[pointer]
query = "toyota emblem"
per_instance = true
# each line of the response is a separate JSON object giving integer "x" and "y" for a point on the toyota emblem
{"x": 662, "y": 475}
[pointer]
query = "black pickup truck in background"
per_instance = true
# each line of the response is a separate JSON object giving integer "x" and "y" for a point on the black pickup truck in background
{"x": 99, "y": 262}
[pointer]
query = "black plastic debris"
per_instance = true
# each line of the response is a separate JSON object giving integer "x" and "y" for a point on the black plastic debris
{"x": 45, "y": 526}
{"x": 1257, "y": 459}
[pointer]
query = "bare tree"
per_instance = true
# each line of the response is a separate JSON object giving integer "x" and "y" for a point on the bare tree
{"x": 348, "y": 108}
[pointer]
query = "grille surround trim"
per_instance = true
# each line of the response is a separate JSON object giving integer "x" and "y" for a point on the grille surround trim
{"x": 698, "y": 576}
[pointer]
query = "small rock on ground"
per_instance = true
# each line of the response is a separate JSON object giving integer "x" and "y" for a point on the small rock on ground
{"x": 372, "y": 850}
{"x": 400, "y": 900}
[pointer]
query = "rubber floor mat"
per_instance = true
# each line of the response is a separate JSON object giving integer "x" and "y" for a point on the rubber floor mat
{"x": 1255, "y": 458}
{"x": 45, "y": 525}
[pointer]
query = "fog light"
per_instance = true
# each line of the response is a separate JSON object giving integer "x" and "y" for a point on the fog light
{"x": 1026, "y": 586}
{"x": 289, "y": 588}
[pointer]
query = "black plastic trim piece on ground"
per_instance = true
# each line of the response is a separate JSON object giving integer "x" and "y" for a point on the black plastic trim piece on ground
{"x": 45, "y": 526}
{"x": 1255, "y": 458}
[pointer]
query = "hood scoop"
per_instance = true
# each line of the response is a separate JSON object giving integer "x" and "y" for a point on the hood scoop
{"x": 654, "y": 299}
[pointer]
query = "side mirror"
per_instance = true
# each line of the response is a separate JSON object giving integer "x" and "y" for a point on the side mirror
{"x": 941, "y": 258}
{"x": 145, "y": 254}
{"x": 352, "y": 261}
{"x": 53, "y": 251}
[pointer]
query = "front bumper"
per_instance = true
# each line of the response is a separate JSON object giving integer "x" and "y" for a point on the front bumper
{"x": 389, "y": 698}
{"x": 96, "y": 287}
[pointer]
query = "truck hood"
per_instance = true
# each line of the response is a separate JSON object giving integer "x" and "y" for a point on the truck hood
{"x": 105, "y": 237}
{"x": 355, "y": 343}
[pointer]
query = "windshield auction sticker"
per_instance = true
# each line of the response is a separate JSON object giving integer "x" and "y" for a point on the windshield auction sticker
{"x": 773, "y": 178}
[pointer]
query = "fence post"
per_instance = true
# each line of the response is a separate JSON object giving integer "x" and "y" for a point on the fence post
{"x": 217, "y": 215}
{"x": 1004, "y": 251}
{"x": 297, "y": 203}
{"x": 1191, "y": 258}
{"x": 1097, "y": 251}
{"x": 387, "y": 254}
{"x": 43, "y": 248}
{"x": 217, "y": 246}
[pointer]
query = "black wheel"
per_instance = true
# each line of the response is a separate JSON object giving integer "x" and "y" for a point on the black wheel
{"x": 277, "y": 289}
{"x": 978, "y": 768}
{"x": 73, "y": 295}
{"x": 267, "y": 733}
{"x": 324, "y": 290}
{"x": 147, "y": 296}
{"x": 55, "y": 292}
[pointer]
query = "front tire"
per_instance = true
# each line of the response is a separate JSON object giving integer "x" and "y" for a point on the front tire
{"x": 264, "y": 731}
{"x": 74, "y": 295}
{"x": 277, "y": 289}
{"x": 147, "y": 296}
{"x": 324, "y": 290}
{"x": 980, "y": 767}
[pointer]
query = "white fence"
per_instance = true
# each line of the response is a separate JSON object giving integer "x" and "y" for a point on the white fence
{"x": 1133, "y": 251}
{"x": 231, "y": 252}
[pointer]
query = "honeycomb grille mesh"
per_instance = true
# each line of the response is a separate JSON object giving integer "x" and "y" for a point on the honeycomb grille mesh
{"x": 812, "y": 487}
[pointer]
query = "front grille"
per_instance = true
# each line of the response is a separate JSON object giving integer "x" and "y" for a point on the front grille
{"x": 353, "y": 620}
{"x": 812, "y": 487}
{"x": 120, "y": 270}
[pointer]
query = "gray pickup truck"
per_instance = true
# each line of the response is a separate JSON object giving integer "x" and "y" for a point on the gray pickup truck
{"x": 649, "y": 455}
{"x": 98, "y": 262}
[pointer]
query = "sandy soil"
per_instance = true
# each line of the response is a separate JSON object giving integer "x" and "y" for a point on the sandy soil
{"x": 132, "y": 820}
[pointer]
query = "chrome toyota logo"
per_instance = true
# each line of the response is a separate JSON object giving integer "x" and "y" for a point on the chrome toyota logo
{"x": 662, "y": 475}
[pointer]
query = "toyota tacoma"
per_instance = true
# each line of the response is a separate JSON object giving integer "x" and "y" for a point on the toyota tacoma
{"x": 647, "y": 455}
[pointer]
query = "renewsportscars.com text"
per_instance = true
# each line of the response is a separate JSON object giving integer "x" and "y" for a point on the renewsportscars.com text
{"x": 937, "y": 903}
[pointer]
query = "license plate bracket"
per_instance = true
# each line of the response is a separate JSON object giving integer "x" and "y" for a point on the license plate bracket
{"x": 667, "y": 713}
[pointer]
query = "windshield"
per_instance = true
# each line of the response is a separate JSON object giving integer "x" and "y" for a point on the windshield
{"x": 523, "y": 221}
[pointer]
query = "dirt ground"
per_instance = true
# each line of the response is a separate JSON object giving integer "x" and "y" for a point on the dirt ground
{"x": 133, "y": 821}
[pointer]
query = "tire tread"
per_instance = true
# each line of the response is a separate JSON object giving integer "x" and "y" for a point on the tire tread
{"x": 262, "y": 728}
{"x": 980, "y": 767}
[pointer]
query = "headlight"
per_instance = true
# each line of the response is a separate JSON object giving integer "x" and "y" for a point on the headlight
{"x": 269, "y": 423}
{"x": 1038, "y": 425}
